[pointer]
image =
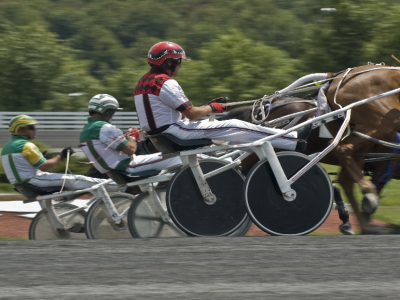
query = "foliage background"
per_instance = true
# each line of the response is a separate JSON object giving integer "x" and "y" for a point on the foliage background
{"x": 240, "y": 49}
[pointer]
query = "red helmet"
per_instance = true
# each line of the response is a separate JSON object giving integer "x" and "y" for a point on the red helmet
{"x": 163, "y": 50}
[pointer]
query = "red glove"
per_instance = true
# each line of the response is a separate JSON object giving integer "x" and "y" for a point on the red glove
{"x": 220, "y": 100}
{"x": 218, "y": 108}
{"x": 133, "y": 133}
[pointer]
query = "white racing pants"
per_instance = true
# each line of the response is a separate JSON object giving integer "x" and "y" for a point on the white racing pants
{"x": 72, "y": 182}
{"x": 154, "y": 161}
{"x": 233, "y": 131}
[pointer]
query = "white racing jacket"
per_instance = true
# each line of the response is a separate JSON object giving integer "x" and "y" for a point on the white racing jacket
{"x": 102, "y": 142}
{"x": 159, "y": 100}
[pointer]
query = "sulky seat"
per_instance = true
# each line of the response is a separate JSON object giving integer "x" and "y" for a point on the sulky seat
{"x": 167, "y": 143}
{"x": 121, "y": 177}
{"x": 31, "y": 191}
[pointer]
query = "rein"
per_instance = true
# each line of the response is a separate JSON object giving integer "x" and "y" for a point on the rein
{"x": 269, "y": 99}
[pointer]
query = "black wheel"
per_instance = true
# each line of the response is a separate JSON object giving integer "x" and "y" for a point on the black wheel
{"x": 242, "y": 230}
{"x": 145, "y": 221}
{"x": 42, "y": 229}
{"x": 192, "y": 215}
{"x": 272, "y": 213}
{"x": 100, "y": 225}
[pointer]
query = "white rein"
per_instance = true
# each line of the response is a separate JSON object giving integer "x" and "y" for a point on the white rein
{"x": 296, "y": 87}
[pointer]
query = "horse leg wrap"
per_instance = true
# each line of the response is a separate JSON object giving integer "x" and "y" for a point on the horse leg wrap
{"x": 341, "y": 207}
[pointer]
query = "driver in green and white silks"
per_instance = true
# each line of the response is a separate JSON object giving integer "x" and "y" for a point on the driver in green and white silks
{"x": 23, "y": 162}
{"x": 109, "y": 149}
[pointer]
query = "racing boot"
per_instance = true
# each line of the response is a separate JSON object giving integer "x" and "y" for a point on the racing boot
{"x": 346, "y": 227}
{"x": 302, "y": 136}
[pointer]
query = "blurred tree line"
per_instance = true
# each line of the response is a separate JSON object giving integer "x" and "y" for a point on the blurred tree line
{"x": 240, "y": 49}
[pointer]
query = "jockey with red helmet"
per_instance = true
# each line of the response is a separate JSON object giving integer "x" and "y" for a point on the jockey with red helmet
{"x": 162, "y": 106}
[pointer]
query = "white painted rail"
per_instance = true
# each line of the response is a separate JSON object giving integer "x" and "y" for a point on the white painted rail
{"x": 68, "y": 120}
{"x": 71, "y": 120}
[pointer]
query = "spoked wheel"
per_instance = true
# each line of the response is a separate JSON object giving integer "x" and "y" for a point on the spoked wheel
{"x": 145, "y": 219}
{"x": 192, "y": 215}
{"x": 277, "y": 216}
{"x": 41, "y": 227}
{"x": 100, "y": 225}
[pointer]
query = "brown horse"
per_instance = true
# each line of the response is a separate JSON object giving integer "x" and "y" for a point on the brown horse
{"x": 379, "y": 119}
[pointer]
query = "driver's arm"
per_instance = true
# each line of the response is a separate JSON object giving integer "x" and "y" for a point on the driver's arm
{"x": 130, "y": 148}
{"x": 195, "y": 113}
{"x": 50, "y": 163}
{"x": 36, "y": 158}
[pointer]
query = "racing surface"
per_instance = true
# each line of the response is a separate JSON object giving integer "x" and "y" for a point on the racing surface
{"x": 308, "y": 267}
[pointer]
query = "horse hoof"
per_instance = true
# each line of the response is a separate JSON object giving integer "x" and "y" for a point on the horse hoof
{"x": 374, "y": 229}
{"x": 370, "y": 203}
{"x": 346, "y": 229}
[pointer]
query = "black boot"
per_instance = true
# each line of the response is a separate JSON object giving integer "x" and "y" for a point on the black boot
{"x": 304, "y": 133}
{"x": 344, "y": 228}
{"x": 302, "y": 136}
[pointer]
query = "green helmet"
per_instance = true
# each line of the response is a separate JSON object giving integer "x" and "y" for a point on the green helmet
{"x": 102, "y": 102}
{"x": 20, "y": 121}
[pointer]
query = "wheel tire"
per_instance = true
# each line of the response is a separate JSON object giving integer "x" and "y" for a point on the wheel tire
{"x": 242, "y": 230}
{"x": 98, "y": 221}
{"x": 276, "y": 216}
{"x": 42, "y": 229}
{"x": 192, "y": 215}
{"x": 145, "y": 222}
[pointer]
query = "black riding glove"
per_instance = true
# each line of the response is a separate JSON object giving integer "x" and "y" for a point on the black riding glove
{"x": 65, "y": 151}
{"x": 220, "y": 100}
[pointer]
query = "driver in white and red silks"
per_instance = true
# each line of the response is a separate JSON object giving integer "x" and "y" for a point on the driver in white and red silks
{"x": 163, "y": 107}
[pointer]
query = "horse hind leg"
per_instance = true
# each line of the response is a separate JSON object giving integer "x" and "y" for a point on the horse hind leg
{"x": 347, "y": 182}
{"x": 345, "y": 227}
{"x": 352, "y": 165}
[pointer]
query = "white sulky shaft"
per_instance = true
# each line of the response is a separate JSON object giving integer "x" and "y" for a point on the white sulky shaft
{"x": 305, "y": 79}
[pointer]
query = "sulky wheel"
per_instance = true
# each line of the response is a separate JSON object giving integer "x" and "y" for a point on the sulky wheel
{"x": 192, "y": 215}
{"x": 145, "y": 220}
{"x": 100, "y": 225}
{"x": 242, "y": 230}
{"x": 42, "y": 229}
{"x": 272, "y": 213}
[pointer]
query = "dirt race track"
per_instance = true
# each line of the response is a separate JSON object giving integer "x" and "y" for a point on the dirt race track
{"x": 11, "y": 225}
{"x": 308, "y": 267}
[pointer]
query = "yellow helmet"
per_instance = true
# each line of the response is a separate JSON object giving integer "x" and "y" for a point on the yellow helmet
{"x": 19, "y": 121}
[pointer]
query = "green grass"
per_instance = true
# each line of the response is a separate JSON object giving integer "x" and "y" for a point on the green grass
{"x": 9, "y": 238}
